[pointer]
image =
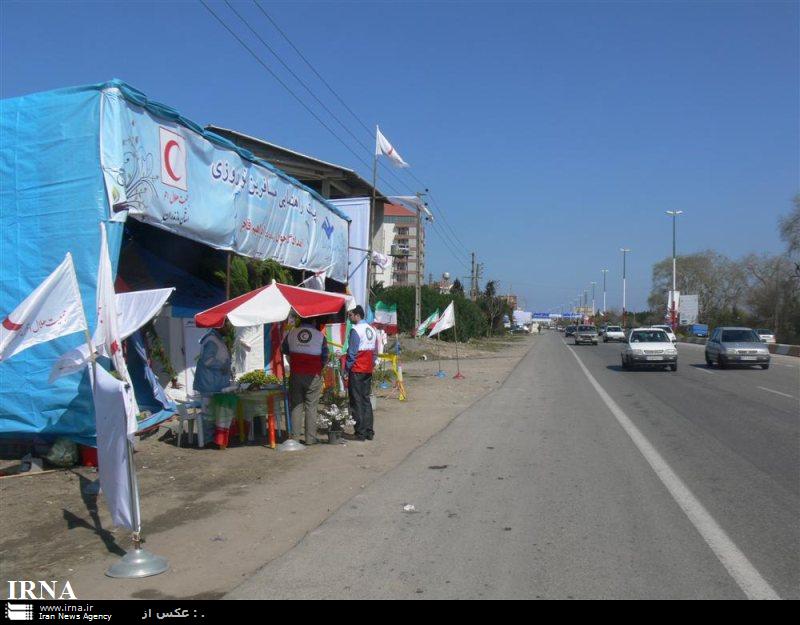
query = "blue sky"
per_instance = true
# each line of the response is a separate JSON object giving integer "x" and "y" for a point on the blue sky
{"x": 550, "y": 133}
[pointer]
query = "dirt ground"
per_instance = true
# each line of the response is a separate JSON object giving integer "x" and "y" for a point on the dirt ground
{"x": 218, "y": 516}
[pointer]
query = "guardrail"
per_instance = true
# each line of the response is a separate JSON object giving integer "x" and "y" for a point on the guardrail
{"x": 780, "y": 349}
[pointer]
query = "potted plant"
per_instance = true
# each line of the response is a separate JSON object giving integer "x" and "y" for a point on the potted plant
{"x": 334, "y": 414}
{"x": 259, "y": 380}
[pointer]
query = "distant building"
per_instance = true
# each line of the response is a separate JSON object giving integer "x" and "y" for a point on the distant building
{"x": 510, "y": 299}
{"x": 397, "y": 235}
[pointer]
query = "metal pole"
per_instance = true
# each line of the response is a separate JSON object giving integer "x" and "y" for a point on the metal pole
{"x": 417, "y": 285}
{"x": 624, "y": 251}
{"x": 372, "y": 221}
{"x": 604, "y": 271}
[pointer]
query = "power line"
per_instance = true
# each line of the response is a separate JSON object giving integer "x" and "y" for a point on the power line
{"x": 291, "y": 92}
{"x": 322, "y": 122}
{"x": 451, "y": 234}
{"x": 330, "y": 88}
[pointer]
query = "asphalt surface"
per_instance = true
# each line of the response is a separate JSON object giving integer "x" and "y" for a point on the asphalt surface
{"x": 643, "y": 484}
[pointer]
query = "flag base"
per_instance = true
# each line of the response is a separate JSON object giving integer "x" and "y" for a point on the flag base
{"x": 440, "y": 374}
{"x": 458, "y": 376}
{"x": 290, "y": 445}
{"x": 138, "y": 563}
{"x": 92, "y": 488}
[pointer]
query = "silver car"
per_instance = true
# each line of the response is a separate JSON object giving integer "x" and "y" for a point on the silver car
{"x": 586, "y": 334}
{"x": 736, "y": 346}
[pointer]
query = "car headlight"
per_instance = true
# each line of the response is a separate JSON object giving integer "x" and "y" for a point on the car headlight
{"x": 638, "y": 352}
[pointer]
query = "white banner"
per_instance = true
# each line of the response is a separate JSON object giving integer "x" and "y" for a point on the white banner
{"x": 112, "y": 403}
{"x": 446, "y": 321}
{"x": 54, "y": 309}
{"x": 133, "y": 311}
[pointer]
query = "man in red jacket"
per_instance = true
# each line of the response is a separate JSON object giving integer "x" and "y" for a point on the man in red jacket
{"x": 359, "y": 366}
{"x": 307, "y": 350}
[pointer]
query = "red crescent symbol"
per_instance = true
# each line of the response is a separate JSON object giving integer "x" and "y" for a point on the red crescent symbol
{"x": 10, "y": 325}
{"x": 167, "y": 149}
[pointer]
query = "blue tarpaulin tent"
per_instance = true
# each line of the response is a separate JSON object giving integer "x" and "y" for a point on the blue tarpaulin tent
{"x": 60, "y": 175}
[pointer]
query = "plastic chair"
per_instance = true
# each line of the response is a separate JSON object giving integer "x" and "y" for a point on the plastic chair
{"x": 192, "y": 419}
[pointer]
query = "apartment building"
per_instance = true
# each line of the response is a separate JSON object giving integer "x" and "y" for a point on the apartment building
{"x": 397, "y": 235}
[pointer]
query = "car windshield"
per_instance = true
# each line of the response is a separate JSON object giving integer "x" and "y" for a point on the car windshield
{"x": 614, "y": 329}
{"x": 649, "y": 336}
{"x": 763, "y": 331}
{"x": 587, "y": 329}
{"x": 739, "y": 336}
{"x": 665, "y": 328}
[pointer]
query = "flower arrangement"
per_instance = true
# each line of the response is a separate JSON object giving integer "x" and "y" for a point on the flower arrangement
{"x": 334, "y": 411}
{"x": 258, "y": 379}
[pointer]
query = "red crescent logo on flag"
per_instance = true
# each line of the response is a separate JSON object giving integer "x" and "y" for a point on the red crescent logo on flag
{"x": 10, "y": 325}
{"x": 167, "y": 160}
{"x": 114, "y": 348}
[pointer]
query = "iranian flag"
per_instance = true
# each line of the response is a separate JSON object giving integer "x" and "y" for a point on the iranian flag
{"x": 423, "y": 327}
{"x": 386, "y": 317}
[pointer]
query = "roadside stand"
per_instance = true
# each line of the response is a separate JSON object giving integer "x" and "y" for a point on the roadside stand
{"x": 264, "y": 397}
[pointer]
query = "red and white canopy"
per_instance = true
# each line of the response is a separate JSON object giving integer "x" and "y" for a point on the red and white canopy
{"x": 270, "y": 304}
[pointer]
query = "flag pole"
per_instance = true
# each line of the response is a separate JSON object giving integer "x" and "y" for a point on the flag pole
{"x": 372, "y": 217}
{"x": 458, "y": 375}
{"x": 440, "y": 373}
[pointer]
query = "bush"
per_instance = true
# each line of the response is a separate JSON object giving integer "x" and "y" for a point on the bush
{"x": 470, "y": 320}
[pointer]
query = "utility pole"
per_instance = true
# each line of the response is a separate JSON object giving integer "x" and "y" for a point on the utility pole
{"x": 418, "y": 281}
{"x": 594, "y": 284}
{"x": 473, "y": 280}
{"x": 604, "y": 271}
{"x": 624, "y": 251}
{"x": 673, "y": 312}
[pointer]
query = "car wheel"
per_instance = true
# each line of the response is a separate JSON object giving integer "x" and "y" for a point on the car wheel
{"x": 709, "y": 362}
{"x": 625, "y": 364}
{"x": 673, "y": 367}
{"x": 720, "y": 362}
{"x": 766, "y": 366}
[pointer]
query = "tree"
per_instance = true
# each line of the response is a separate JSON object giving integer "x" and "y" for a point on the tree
{"x": 790, "y": 228}
{"x": 494, "y": 307}
{"x": 457, "y": 288}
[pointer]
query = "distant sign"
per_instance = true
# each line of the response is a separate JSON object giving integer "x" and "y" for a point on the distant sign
{"x": 541, "y": 315}
{"x": 689, "y": 309}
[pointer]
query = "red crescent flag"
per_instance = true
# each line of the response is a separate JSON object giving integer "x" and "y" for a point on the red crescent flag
{"x": 54, "y": 309}
{"x": 382, "y": 146}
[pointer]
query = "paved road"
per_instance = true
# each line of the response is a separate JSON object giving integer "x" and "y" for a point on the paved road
{"x": 626, "y": 485}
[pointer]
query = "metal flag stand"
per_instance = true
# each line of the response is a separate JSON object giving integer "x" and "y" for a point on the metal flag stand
{"x": 457, "y": 376}
{"x": 440, "y": 373}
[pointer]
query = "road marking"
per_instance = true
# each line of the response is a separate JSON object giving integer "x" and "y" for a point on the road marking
{"x": 769, "y": 390}
{"x": 738, "y": 566}
{"x": 704, "y": 370}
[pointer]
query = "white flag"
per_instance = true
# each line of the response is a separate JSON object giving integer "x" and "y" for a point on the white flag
{"x": 107, "y": 334}
{"x": 134, "y": 309}
{"x": 447, "y": 320}
{"x": 382, "y": 146}
{"x": 111, "y": 407}
{"x": 52, "y": 310}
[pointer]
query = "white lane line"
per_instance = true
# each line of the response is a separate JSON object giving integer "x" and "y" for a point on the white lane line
{"x": 704, "y": 370}
{"x": 738, "y": 566}
{"x": 769, "y": 390}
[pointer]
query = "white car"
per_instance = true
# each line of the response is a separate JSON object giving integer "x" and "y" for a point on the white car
{"x": 613, "y": 333}
{"x": 649, "y": 347}
{"x": 669, "y": 332}
{"x": 767, "y": 336}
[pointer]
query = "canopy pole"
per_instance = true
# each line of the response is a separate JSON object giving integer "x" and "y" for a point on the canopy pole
{"x": 458, "y": 375}
{"x": 228, "y": 278}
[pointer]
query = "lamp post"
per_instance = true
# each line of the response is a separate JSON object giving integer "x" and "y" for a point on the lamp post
{"x": 624, "y": 251}
{"x": 594, "y": 284}
{"x": 604, "y": 272}
{"x": 672, "y": 312}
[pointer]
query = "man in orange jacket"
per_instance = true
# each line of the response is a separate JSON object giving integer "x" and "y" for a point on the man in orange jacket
{"x": 307, "y": 350}
{"x": 359, "y": 365}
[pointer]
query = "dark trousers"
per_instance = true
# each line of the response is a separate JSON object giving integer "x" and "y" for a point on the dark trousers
{"x": 359, "y": 389}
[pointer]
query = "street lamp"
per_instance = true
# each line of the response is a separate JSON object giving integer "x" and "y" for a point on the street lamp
{"x": 604, "y": 271}
{"x": 672, "y": 312}
{"x": 594, "y": 284}
{"x": 624, "y": 251}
